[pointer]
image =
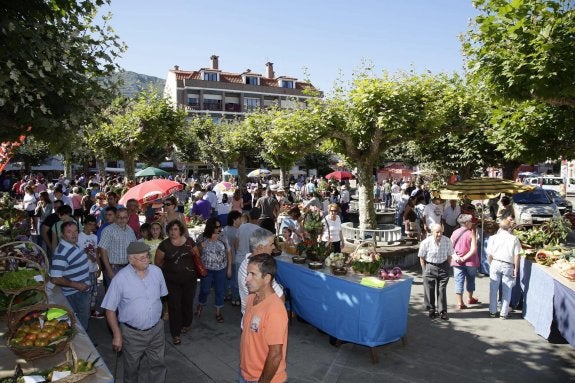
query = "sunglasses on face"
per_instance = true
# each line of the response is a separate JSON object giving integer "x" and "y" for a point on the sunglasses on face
{"x": 167, "y": 204}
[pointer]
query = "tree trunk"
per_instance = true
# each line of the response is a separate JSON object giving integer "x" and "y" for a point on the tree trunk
{"x": 465, "y": 172}
{"x": 284, "y": 176}
{"x": 367, "y": 218}
{"x": 67, "y": 162}
{"x": 242, "y": 175}
{"x": 101, "y": 165}
{"x": 508, "y": 168}
{"x": 129, "y": 166}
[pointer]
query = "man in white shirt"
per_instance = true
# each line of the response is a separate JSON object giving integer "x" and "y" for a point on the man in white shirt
{"x": 261, "y": 242}
{"x": 435, "y": 254}
{"x": 212, "y": 198}
{"x": 432, "y": 214}
{"x": 450, "y": 214}
{"x": 503, "y": 251}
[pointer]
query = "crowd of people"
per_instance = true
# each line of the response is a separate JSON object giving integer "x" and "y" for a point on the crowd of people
{"x": 145, "y": 257}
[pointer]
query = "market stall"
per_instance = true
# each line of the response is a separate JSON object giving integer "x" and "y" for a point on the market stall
{"x": 547, "y": 296}
{"x": 81, "y": 343}
{"x": 38, "y": 326}
{"x": 345, "y": 309}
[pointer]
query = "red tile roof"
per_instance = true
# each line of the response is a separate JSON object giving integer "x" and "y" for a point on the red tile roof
{"x": 236, "y": 78}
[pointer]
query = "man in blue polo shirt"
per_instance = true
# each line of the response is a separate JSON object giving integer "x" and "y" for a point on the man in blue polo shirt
{"x": 71, "y": 272}
{"x": 135, "y": 293}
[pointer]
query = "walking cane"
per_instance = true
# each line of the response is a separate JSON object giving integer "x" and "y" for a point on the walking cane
{"x": 116, "y": 365}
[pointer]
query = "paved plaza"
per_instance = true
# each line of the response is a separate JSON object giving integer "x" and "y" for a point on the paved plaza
{"x": 471, "y": 347}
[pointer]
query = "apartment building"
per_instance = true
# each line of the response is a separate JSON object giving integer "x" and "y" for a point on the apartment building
{"x": 226, "y": 94}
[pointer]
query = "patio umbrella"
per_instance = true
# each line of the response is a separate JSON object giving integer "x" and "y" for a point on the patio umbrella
{"x": 339, "y": 175}
{"x": 258, "y": 173}
{"x": 222, "y": 186}
{"x": 151, "y": 171}
{"x": 231, "y": 172}
{"x": 151, "y": 190}
{"x": 482, "y": 188}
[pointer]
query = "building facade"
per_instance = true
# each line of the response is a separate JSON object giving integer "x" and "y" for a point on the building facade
{"x": 225, "y": 94}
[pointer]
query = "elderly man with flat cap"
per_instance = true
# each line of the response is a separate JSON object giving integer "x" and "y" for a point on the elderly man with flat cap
{"x": 138, "y": 330}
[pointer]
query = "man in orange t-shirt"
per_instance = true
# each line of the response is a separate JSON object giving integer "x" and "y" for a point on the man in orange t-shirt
{"x": 263, "y": 344}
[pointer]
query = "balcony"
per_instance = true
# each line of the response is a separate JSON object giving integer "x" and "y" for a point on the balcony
{"x": 230, "y": 107}
{"x": 213, "y": 105}
{"x": 192, "y": 106}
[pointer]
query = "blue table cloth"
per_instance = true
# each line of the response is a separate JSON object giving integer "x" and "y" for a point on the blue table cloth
{"x": 538, "y": 293}
{"x": 545, "y": 299}
{"x": 343, "y": 308}
{"x": 564, "y": 304}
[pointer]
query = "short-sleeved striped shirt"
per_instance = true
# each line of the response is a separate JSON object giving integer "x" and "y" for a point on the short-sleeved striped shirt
{"x": 70, "y": 262}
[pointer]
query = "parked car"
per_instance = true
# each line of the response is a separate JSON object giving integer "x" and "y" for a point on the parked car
{"x": 534, "y": 207}
{"x": 564, "y": 205}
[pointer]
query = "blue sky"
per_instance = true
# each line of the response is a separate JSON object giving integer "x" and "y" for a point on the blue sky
{"x": 327, "y": 39}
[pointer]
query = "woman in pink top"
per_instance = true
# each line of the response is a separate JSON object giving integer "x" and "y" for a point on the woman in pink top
{"x": 465, "y": 263}
{"x": 237, "y": 201}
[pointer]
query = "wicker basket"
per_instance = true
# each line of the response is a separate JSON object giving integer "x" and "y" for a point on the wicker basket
{"x": 72, "y": 358}
{"x": 11, "y": 256}
{"x": 365, "y": 268}
{"x": 33, "y": 352}
{"x": 14, "y": 311}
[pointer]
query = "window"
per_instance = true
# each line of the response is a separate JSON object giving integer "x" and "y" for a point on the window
{"x": 287, "y": 84}
{"x": 209, "y": 76}
{"x": 251, "y": 103}
{"x": 252, "y": 80}
{"x": 212, "y": 104}
{"x": 194, "y": 102}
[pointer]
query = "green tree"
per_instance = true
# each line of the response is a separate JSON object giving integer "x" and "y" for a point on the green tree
{"x": 524, "y": 49}
{"x": 531, "y": 132}
{"x": 131, "y": 127}
{"x": 55, "y": 56}
{"x": 462, "y": 143}
{"x": 32, "y": 152}
{"x": 244, "y": 141}
{"x": 382, "y": 112}
{"x": 287, "y": 135}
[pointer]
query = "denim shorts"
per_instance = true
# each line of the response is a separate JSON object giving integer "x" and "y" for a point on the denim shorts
{"x": 461, "y": 274}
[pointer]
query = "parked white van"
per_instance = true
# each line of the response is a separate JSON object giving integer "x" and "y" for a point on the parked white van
{"x": 548, "y": 182}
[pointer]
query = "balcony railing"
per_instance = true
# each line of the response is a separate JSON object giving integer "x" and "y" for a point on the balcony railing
{"x": 212, "y": 106}
{"x": 230, "y": 107}
{"x": 192, "y": 107}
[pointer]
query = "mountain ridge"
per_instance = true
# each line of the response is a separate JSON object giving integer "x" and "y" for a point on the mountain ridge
{"x": 131, "y": 83}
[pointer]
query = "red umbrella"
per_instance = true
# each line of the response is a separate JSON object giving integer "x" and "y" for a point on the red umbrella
{"x": 339, "y": 175}
{"x": 151, "y": 190}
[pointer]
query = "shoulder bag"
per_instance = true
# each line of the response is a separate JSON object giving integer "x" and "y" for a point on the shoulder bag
{"x": 197, "y": 258}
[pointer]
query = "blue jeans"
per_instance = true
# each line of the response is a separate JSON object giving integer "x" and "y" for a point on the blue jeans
{"x": 235, "y": 285}
{"x": 80, "y": 303}
{"x": 218, "y": 279}
{"x": 462, "y": 273}
{"x": 500, "y": 273}
{"x": 242, "y": 380}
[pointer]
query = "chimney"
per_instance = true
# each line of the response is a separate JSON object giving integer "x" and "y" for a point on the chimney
{"x": 176, "y": 67}
{"x": 215, "y": 62}
{"x": 270, "y": 73}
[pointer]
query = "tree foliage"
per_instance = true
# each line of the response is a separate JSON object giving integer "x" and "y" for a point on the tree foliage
{"x": 287, "y": 135}
{"x": 131, "y": 127}
{"x": 381, "y": 112}
{"x": 53, "y": 60}
{"x": 524, "y": 49}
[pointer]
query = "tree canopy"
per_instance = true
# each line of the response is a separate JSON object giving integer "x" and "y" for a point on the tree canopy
{"x": 524, "y": 49}
{"x": 54, "y": 59}
{"x": 130, "y": 127}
